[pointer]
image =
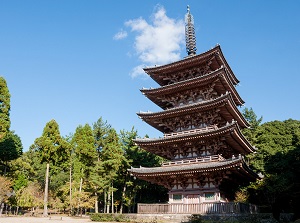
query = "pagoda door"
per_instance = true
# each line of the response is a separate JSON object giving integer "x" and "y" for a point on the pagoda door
{"x": 193, "y": 199}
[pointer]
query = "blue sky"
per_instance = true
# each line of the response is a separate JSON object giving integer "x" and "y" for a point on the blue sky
{"x": 76, "y": 61}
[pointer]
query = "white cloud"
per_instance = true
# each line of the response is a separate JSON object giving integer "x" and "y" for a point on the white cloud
{"x": 158, "y": 42}
{"x": 138, "y": 71}
{"x": 120, "y": 35}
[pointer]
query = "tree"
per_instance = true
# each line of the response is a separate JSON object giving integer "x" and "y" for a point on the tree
{"x": 5, "y": 185}
{"x": 135, "y": 190}
{"x": 10, "y": 143}
{"x": 52, "y": 148}
{"x": 101, "y": 131}
{"x": 278, "y": 158}
{"x": 111, "y": 160}
{"x": 85, "y": 156}
{"x": 30, "y": 196}
{"x": 254, "y": 122}
{"x": 4, "y": 108}
{"x": 10, "y": 148}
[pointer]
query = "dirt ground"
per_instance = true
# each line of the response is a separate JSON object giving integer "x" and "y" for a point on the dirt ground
{"x": 52, "y": 219}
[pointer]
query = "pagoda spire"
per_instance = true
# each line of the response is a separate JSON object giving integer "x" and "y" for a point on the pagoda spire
{"x": 190, "y": 36}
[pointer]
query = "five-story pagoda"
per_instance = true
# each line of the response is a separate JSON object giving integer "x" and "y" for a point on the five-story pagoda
{"x": 201, "y": 126}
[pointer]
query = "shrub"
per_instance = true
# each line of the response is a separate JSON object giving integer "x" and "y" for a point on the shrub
{"x": 102, "y": 217}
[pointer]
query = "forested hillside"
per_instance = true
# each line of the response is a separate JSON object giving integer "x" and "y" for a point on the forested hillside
{"x": 278, "y": 160}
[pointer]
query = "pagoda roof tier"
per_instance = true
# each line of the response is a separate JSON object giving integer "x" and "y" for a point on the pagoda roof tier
{"x": 219, "y": 78}
{"x": 163, "y": 175}
{"x": 230, "y": 132}
{"x": 224, "y": 103}
{"x": 213, "y": 57}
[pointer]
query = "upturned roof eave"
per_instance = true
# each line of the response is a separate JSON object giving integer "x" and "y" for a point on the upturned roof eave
{"x": 195, "y": 168}
{"x": 231, "y": 130}
{"x": 206, "y": 79}
{"x": 200, "y": 81}
{"x": 201, "y": 166}
{"x": 186, "y": 136}
{"x": 154, "y": 71}
{"x": 200, "y": 106}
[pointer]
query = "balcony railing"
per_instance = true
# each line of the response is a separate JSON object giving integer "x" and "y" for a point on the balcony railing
{"x": 203, "y": 208}
{"x": 203, "y": 159}
{"x": 204, "y": 129}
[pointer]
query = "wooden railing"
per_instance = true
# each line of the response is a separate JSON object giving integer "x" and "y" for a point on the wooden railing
{"x": 204, "y": 129}
{"x": 195, "y": 160}
{"x": 203, "y": 208}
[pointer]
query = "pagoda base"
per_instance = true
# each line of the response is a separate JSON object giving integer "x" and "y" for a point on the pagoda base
{"x": 201, "y": 208}
{"x": 196, "y": 196}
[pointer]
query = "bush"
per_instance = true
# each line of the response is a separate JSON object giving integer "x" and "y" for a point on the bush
{"x": 251, "y": 218}
{"x": 195, "y": 218}
{"x": 101, "y": 217}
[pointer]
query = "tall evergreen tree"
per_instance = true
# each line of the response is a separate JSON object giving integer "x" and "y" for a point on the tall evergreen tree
{"x": 85, "y": 156}
{"x": 101, "y": 131}
{"x": 111, "y": 160}
{"x": 4, "y": 108}
{"x": 135, "y": 190}
{"x": 254, "y": 122}
{"x": 10, "y": 143}
{"x": 52, "y": 148}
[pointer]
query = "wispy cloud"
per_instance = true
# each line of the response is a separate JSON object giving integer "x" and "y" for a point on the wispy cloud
{"x": 120, "y": 35}
{"x": 156, "y": 42}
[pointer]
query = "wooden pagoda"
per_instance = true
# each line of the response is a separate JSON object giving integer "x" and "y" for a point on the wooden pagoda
{"x": 201, "y": 127}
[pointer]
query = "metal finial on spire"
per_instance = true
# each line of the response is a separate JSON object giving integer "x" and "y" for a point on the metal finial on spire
{"x": 190, "y": 37}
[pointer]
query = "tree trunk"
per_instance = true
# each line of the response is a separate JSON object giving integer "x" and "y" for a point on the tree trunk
{"x": 112, "y": 200}
{"x": 70, "y": 189}
{"x": 108, "y": 201}
{"x": 45, "y": 214}
{"x": 105, "y": 201}
{"x": 96, "y": 203}
{"x": 1, "y": 208}
{"x": 80, "y": 188}
{"x": 123, "y": 196}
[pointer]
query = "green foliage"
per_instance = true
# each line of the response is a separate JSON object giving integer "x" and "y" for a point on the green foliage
{"x": 84, "y": 151}
{"x": 135, "y": 190}
{"x": 10, "y": 143}
{"x": 51, "y": 145}
{"x": 108, "y": 217}
{"x": 274, "y": 138}
{"x": 251, "y": 117}
{"x": 30, "y": 196}
{"x": 10, "y": 147}
{"x": 100, "y": 130}
{"x": 20, "y": 182}
{"x": 4, "y": 108}
{"x": 278, "y": 158}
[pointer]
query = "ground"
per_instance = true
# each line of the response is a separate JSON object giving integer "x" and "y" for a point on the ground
{"x": 52, "y": 219}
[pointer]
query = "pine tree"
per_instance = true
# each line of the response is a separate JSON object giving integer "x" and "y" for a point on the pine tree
{"x": 4, "y": 108}
{"x": 52, "y": 148}
{"x": 85, "y": 157}
{"x": 111, "y": 160}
